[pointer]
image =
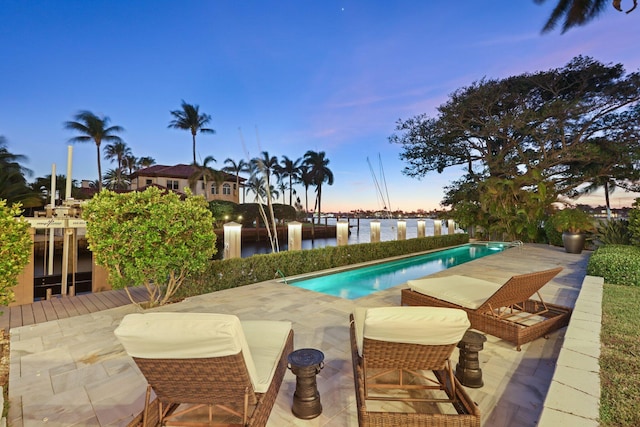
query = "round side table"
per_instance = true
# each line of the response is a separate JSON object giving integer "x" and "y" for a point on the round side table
{"x": 468, "y": 370}
{"x": 305, "y": 364}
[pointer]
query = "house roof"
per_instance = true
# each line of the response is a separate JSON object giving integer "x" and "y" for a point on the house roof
{"x": 177, "y": 171}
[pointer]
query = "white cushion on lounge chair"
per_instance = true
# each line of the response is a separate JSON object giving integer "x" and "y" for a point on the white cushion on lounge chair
{"x": 411, "y": 325}
{"x": 266, "y": 339}
{"x": 185, "y": 336}
{"x": 461, "y": 290}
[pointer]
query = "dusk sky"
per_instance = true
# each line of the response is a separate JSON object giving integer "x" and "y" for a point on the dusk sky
{"x": 282, "y": 76}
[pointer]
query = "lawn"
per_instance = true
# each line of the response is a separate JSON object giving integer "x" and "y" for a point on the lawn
{"x": 620, "y": 357}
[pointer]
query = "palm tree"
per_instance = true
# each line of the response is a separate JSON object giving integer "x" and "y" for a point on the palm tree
{"x": 320, "y": 172}
{"x": 13, "y": 185}
{"x": 236, "y": 169}
{"x": 118, "y": 151}
{"x": 189, "y": 118}
{"x": 255, "y": 184}
{"x": 578, "y": 12}
{"x": 203, "y": 172}
{"x": 282, "y": 188}
{"x": 42, "y": 185}
{"x": 307, "y": 180}
{"x": 146, "y": 161}
{"x": 291, "y": 169}
{"x": 94, "y": 128}
{"x": 114, "y": 180}
{"x": 266, "y": 167}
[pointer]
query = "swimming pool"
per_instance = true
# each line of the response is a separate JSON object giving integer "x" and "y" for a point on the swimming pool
{"x": 359, "y": 282}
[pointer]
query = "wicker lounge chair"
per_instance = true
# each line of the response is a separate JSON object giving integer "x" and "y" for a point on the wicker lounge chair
{"x": 206, "y": 365}
{"x": 401, "y": 367}
{"x": 505, "y": 311}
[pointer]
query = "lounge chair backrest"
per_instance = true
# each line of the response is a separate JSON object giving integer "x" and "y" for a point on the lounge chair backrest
{"x": 184, "y": 336}
{"x": 411, "y": 325}
{"x": 518, "y": 289}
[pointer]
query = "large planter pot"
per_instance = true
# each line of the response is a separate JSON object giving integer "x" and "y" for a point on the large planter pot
{"x": 573, "y": 242}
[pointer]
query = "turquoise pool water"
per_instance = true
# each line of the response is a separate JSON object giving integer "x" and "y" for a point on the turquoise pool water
{"x": 363, "y": 281}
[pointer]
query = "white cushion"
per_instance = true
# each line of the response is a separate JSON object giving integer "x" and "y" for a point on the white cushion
{"x": 411, "y": 325}
{"x": 201, "y": 335}
{"x": 266, "y": 339}
{"x": 464, "y": 291}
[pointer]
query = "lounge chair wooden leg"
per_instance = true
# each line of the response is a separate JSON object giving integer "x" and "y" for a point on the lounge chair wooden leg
{"x": 145, "y": 414}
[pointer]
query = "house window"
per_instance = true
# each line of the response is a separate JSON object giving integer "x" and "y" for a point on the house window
{"x": 203, "y": 185}
{"x": 149, "y": 181}
{"x": 214, "y": 189}
{"x": 172, "y": 185}
{"x": 226, "y": 189}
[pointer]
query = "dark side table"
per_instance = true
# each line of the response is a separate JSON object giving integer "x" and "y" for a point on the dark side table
{"x": 305, "y": 364}
{"x": 468, "y": 370}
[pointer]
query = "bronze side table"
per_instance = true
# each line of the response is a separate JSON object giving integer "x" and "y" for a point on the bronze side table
{"x": 468, "y": 370}
{"x": 305, "y": 364}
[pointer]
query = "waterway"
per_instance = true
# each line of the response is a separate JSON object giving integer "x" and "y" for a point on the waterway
{"x": 358, "y": 234}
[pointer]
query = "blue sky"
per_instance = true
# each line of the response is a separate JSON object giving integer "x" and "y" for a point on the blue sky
{"x": 282, "y": 76}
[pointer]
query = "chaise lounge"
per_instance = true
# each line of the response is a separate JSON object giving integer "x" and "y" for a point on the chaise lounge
{"x": 206, "y": 365}
{"x": 505, "y": 311}
{"x": 401, "y": 367}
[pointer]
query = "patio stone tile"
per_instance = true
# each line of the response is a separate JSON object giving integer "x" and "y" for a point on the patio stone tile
{"x": 47, "y": 361}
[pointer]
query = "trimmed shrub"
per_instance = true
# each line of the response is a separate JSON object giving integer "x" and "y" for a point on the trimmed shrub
{"x": 231, "y": 273}
{"x": 618, "y": 264}
{"x": 150, "y": 238}
{"x": 634, "y": 223}
{"x": 15, "y": 249}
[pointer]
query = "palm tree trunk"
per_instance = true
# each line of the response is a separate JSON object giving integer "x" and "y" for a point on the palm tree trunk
{"x": 99, "y": 168}
{"x": 193, "y": 134}
{"x": 319, "y": 201}
{"x": 290, "y": 191}
{"x": 606, "y": 198}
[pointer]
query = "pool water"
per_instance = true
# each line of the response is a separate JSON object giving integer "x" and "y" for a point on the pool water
{"x": 360, "y": 282}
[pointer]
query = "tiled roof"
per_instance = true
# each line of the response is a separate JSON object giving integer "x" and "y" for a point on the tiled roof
{"x": 177, "y": 171}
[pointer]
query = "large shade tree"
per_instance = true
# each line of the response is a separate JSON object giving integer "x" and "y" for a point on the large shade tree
{"x": 93, "y": 128}
{"x": 189, "y": 118}
{"x": 524, "y": 137}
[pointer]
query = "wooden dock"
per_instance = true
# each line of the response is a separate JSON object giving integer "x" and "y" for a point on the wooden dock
{"x": 62, "y": 307}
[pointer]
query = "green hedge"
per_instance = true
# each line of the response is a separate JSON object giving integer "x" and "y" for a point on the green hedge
{"x": 231, "y": 273}
{"x": 618, "y": 264}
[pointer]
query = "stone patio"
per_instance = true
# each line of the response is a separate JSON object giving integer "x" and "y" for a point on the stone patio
{"x": 73, "y": 372}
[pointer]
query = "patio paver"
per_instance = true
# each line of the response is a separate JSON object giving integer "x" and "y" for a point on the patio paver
{"x": 73, "y": 372}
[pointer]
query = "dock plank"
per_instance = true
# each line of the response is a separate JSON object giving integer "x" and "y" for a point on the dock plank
{"x": 16, "y": 316}
{"x": 28, "y": 317}
{"x": 38, "y": 312}
{"x": 60, "y": 307}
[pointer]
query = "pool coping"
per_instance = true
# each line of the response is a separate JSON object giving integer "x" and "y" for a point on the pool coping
{"x": 573, "y": 397}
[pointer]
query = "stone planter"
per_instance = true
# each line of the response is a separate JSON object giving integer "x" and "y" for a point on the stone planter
{"x": 573, "y": 242}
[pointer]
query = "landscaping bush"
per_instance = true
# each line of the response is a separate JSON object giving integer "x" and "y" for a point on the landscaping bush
{"x": 554, "y": 237}
{"x": 231, "y": 273}
{"x": 613, "y": 232}
{"x": 634, "y": 223}
{"x": 150, "y": 238}
{"x": 618, "y": 264}
{"x": 15, "y": 249}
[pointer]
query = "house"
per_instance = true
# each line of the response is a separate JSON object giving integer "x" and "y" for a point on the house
{"x": 178, "y": 177}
